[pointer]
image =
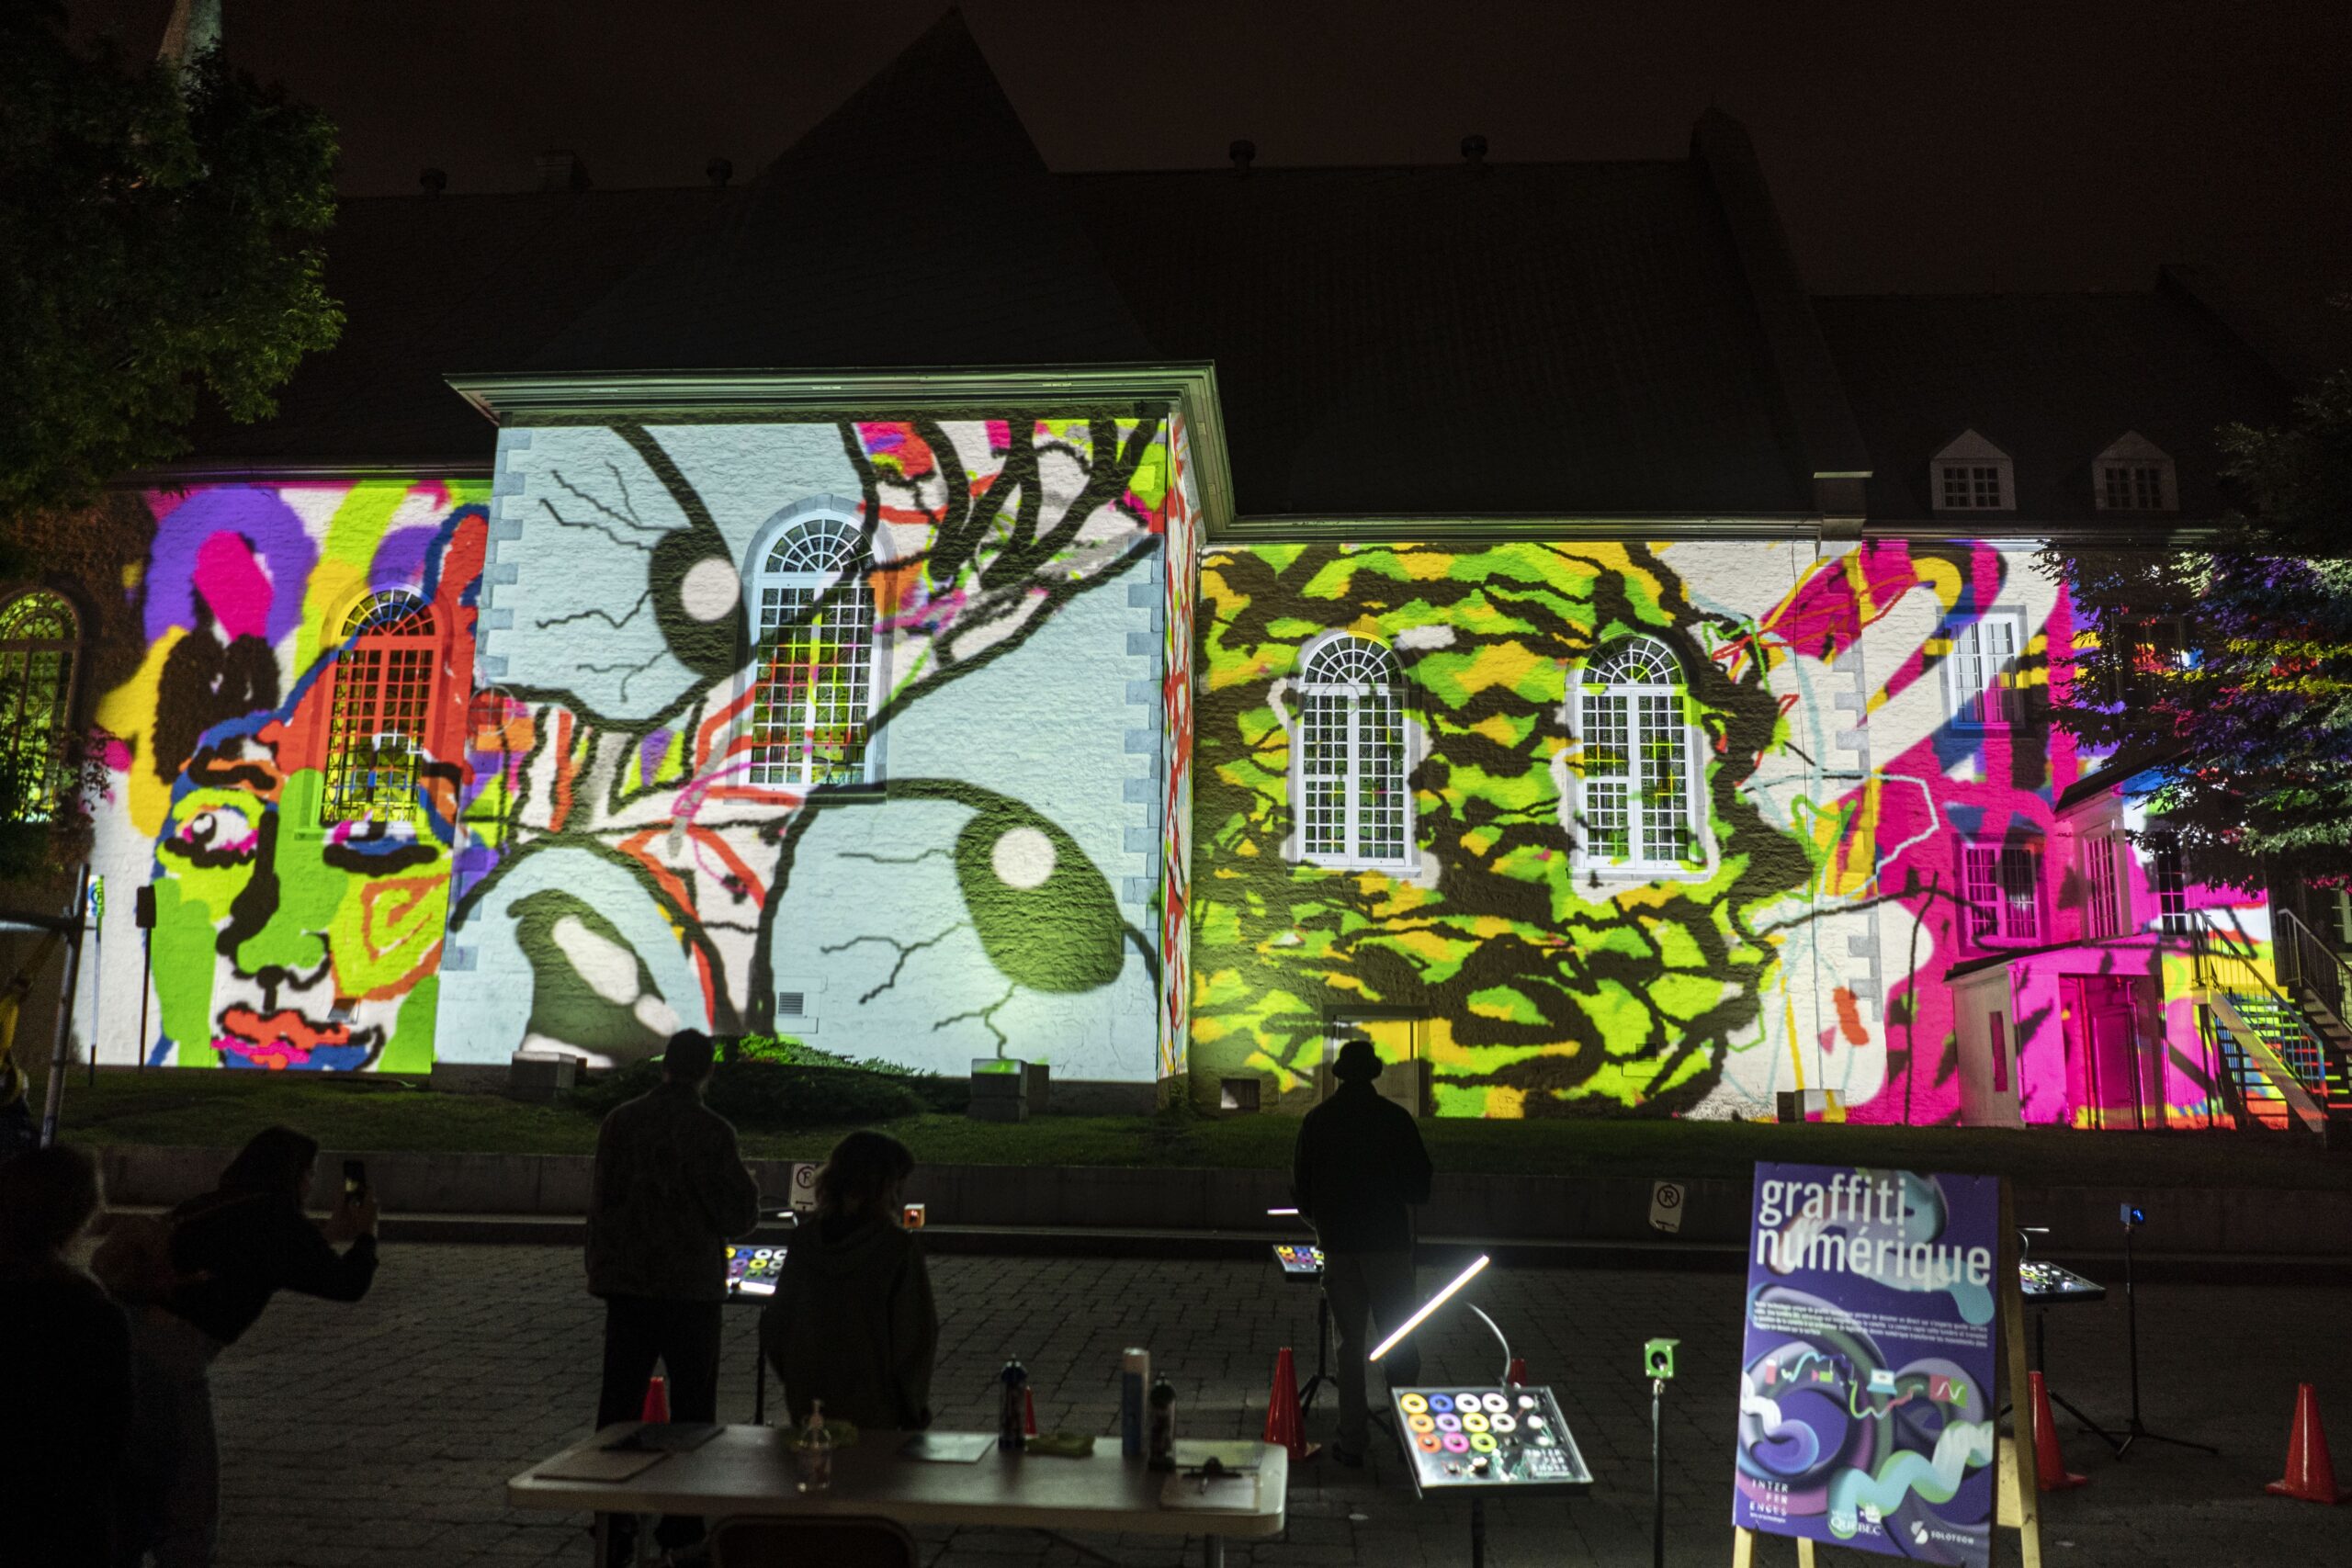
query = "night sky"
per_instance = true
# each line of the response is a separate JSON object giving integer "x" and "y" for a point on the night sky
{"x": 1911, "y": 144}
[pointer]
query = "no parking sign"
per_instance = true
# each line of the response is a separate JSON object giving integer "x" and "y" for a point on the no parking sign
{"x": 804, "y": 1188}
{"x": 1665, "y": 1207}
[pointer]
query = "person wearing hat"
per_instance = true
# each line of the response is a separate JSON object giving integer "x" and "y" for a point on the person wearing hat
{"x": 1358, "y": 1170}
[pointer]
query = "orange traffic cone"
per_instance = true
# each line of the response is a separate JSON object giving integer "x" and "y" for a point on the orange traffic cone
{"x": 657, "y": 1400}
{"x": 2311, "y": 1474}
{"x": 2049, "y": 1465}
{"x": 1517, "y": 1376}
{"x": 1028, "y": 1411}
{"x": 1282, "y": 1423}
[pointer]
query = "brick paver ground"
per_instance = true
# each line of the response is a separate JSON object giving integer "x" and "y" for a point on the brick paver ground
{"x": 380, "y": 1435}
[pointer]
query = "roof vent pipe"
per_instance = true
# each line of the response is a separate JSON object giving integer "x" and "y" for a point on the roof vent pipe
{"x": 720, "y": 171}
{"x": 1474, "y": 149}
{"x": 1243, "y": 152}
{"x": 561, "y": 169}
{"x": 434, "y": 181}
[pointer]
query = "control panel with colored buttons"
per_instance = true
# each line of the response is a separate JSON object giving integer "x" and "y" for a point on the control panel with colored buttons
{"x": 1487, "y": 1437}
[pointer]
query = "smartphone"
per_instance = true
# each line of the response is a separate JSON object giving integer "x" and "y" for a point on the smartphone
{"x": 914, "y": 1217}
{"x": 355, "y": 1182}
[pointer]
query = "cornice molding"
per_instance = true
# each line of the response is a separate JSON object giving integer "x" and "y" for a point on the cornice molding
{"x": 522, "y": 401}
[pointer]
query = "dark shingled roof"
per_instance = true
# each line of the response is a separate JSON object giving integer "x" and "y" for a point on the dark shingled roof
{"x": 1535, "y": 337}
{"x": 916, "y": 225}
{"x": 2050, "y": 379}
{"x": 1554, "y": 338}
{"x": 434, "y": 284}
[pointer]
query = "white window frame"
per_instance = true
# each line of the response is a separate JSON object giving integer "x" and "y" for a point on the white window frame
{"x": 1583, "y": 799}
{"x": 2107, "y": 890}
{"x": 1367, "y": 754}
{"x": 1991, "y": 873}
{"x": 1977, "y": 463}
{"x": 2132, "y": 455}
{"x": 2168, "y": 881}
{"x": 800, "y": 528}
{"x": 1980, "y": 689}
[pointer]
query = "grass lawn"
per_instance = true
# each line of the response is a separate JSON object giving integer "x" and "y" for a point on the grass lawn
{"x": 221, "y": 1108}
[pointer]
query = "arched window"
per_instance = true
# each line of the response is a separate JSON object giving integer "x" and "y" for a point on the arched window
{"x": 1640, "y": 808}
{"x": 383, "y": 689}
{"x": 1348, "y": 780}
{"x": 814, "y": 700}
{"x": 40, "y": 635}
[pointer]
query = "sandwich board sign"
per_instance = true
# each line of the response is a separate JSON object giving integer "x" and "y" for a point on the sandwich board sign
{"x": 1879, "y": 1307}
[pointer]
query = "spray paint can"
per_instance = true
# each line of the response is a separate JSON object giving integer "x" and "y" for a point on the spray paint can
{"x": 1135, "y": 1378}
{"x": 1013, "y": 1382}
{"x": 1162, "y": 1439}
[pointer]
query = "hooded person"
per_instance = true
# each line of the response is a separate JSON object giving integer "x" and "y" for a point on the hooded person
{"x": 853, "y": 1322}
{"x": 1358, "y": 1169}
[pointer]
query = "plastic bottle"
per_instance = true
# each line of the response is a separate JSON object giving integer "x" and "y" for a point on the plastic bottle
{"x": 814, "y": 1452}
{"x": 1009, "y": 1410}
{"x": 1163, "y": 1425}
{"x": 1135, "y": 1378}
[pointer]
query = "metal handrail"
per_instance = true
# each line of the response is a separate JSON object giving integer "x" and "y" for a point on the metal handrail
{"x": 2217, "y": 971}
{"x": 2303, "y": 959}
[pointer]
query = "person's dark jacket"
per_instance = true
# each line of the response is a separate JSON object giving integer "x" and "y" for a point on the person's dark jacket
{"x": 64, "y": 1416}
{"x": 1358, "y": 1168}
{"x": 238, "y": 1247}
{"x": 670, "y": 1193}
{"x": 853, "y": 1324}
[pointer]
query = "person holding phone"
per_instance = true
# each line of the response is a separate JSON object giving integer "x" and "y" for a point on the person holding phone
{"x": 229, "y": 1252}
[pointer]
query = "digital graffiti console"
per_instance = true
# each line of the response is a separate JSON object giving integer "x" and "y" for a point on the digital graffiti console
{"x": 752, "y": 1272}
{"x": 1512, "y": 1438}
{"x": 1299, "y": 1261}
{"x": 2042, "y": 1283}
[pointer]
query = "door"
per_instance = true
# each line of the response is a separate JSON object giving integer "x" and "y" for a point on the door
{"x": 2105, "y": 1043}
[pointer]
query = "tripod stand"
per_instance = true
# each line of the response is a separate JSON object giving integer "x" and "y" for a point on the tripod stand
{"x": 1322, "y": 1351}
{"x": 2136, "y": 1429}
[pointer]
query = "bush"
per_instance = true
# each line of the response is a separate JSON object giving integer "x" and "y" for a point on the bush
{"x": 770, "y": 1092}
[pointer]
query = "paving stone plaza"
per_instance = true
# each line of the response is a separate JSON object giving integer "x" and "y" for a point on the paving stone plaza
{"x": 381, "y": 1435}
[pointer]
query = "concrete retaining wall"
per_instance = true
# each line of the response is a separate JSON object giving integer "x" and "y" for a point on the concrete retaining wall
{"x": 2249, "y": 1221}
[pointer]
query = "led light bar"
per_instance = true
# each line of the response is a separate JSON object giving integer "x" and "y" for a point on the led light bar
{"x": 1429, "y": 1306}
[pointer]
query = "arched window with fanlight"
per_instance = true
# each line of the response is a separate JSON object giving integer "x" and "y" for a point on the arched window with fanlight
{"x": 1640, "y": 761}
{"x": 383, "y": 691}
{"x": 1347, "y": 777}
{"x": 39, "y": 637}
{"x": 813, "y": 703}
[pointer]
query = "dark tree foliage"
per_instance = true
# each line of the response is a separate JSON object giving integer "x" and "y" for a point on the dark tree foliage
{"x": 158, "y": 235}
{"x": 2229, "y": 671}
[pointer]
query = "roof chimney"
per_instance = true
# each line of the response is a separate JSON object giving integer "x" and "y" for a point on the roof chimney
{"x": 434, "y": 181}
{"x": 720, "y": 171}
{"x": 561, "y": 170}
{"x": 1243, "y": 153}
{"x": 1474, "y": 149}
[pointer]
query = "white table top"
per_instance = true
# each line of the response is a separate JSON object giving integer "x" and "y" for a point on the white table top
{"x": 747, "y": 1470}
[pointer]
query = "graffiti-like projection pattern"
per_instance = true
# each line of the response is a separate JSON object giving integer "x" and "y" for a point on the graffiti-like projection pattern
{"x": 1867, "y": 728}
{"x": 565, "y": 847}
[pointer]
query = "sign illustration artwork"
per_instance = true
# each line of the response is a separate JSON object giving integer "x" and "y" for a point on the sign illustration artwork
{"x": 1866, "y": 1399}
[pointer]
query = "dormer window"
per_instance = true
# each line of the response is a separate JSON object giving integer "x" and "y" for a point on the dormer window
{"x": 2134, "y": 475}
{"x": 1974, "y": 475}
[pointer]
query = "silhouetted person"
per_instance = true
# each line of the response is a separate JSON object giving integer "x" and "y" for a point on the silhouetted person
{"x": 671, "y": 1192}
{"x": 68, "y": 1403}
{"x": 1358, "y": 1169}
{"x": 853, "y": 1322}
{"x": 225, "y": 1255}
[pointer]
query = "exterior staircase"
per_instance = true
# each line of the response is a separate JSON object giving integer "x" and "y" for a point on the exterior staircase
{"x": 2285, "y": 1052}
